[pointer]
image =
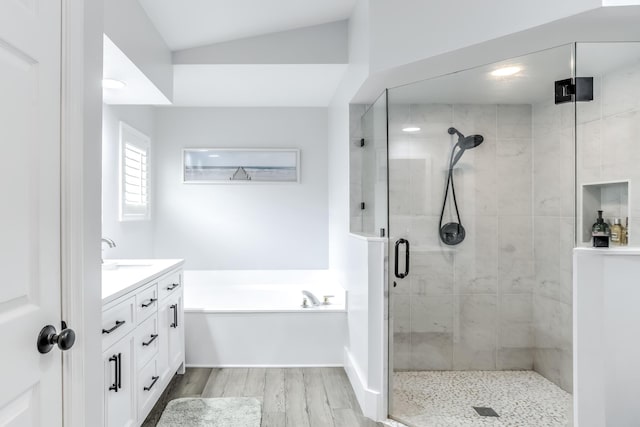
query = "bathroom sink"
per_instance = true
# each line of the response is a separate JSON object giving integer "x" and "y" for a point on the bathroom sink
{"x": 119, "y": 265}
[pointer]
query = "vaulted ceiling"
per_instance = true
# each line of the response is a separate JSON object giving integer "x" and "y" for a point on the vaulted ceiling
{"x": 190, "y": 23}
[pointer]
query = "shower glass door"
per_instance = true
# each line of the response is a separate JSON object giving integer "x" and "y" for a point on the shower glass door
{"x": 482, "y": 194}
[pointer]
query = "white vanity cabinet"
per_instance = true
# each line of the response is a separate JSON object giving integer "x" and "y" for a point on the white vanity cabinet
{"x": 143, "y": 340}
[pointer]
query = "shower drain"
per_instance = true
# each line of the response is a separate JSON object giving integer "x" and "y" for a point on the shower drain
{"x": 485, "y": 412}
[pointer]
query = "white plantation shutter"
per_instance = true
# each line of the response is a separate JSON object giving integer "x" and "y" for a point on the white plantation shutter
{"x": 134, "y": 174}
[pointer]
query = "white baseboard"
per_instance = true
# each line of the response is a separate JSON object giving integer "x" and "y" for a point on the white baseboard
{"x": 264, "y": 366}
{"x": 371, "y": 402}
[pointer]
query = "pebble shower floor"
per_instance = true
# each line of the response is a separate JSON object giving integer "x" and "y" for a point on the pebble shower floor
{"x": 447, "y": 398}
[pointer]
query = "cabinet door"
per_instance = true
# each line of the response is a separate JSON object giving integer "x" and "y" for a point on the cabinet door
{"x": 171, "y": 321}
{"x": 119, "y": 392}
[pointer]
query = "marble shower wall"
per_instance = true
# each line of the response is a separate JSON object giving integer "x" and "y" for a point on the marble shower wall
{"x": 469, "y": 306}
{"x": 553, "y": 242}
{"x": 608, "y": 131}
{"x": 607, "y": 150}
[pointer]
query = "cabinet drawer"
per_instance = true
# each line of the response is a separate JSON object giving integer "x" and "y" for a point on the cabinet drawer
{"x": 149, "y": 388}
{"x": 147, "y": 340}
{"x": 170, "y": 284}
{"x": 117, "y": 321}
{"x": 147, "y": 302}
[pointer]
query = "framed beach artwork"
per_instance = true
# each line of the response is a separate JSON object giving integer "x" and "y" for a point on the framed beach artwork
{"x": 240, "y": 166}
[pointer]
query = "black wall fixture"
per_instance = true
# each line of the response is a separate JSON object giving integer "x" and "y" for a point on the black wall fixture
{"x": 579, "y": 88}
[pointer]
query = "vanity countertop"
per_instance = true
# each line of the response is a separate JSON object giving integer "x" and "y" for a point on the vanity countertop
{"x": 120, "y": 276}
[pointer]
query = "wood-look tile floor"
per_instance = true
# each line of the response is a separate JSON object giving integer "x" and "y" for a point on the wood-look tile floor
{"x": 291, "y": 397}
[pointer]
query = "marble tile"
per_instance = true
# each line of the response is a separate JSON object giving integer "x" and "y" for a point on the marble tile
{"x": 551, "y": 118}
{"x": 514, "y": 166}
{"x": 515, "y": 358}
{"x": 472, "y": 119}
{"x": 622, "y": 151}
{"x": 476, "y": 258}
{"x": 516, "y": 308}
{"x": 548, "y": 362}
{"x": 589, "y": 148}
{"x": 400, "y": 191}
{"x": 432, "y": 313}
{"x": 431, "y": 351}
{"x": 553, "y": 246}
{"x": 399, "y": 226}
{"x": 401, "y": 313}
{"x": 621, "y": 91}
{"x": 552, "y": 323}
{"x": 515, "y": 323}
{"x": 515, "y": 257}
{"x": 401, "y": 351}
{"x": 475, "y": 332}
{"x": 514, "y": 121}
{"x": 553, "y": 174}
{"x": 515, "y": 335}
{"x": 431, "y": 272}
{"x": 424, "y": 233}
{"x": 433, "y": 119}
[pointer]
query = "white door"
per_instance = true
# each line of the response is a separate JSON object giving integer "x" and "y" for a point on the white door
{"x": 30, "y": 386}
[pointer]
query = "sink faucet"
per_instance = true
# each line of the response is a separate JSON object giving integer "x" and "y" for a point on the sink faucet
{"x": 314, "y": 300}
{"x": 109, "y": 242}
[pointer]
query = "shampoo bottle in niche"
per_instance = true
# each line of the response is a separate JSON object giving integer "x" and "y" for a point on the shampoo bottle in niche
{"x": 616, "y": 232}
{"x": 626, "y": 231}
{"x": 600, "y": 232}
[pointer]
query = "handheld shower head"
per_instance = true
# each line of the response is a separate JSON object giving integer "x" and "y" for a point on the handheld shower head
{"x": 464, "y": 143}
{"x": 471, "y": 141}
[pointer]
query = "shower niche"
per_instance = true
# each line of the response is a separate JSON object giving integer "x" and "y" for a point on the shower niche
{"x": 612, "y": 198}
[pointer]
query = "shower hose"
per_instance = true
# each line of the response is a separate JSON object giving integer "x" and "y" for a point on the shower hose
{"x": 446, "y": 194}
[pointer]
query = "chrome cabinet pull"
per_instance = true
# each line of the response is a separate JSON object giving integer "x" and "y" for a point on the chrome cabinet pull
{"x": 173, "y": 286}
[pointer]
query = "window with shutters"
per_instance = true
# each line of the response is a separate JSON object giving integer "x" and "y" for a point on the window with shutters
{"x": 134, "y": 174}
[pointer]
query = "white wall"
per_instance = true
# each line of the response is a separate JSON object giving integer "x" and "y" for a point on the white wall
{"x": 128, "y": 26}
{"x": 242, "y": 227}
{"x": 134, "y": 239}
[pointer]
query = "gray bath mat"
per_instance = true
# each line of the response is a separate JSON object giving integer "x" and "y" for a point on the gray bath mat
{"x": 218, "y": 412}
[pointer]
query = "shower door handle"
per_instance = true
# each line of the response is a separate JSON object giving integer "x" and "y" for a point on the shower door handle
{"x": 406, "y": 259}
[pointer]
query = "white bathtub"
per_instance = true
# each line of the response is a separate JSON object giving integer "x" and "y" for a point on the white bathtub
{"x": 255, "y": 318}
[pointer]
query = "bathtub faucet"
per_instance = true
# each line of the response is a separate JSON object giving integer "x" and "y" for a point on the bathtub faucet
{"x": 314, "y": 300}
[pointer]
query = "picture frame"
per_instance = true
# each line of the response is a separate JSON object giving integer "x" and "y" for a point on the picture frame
{"x": 240, "y": 166}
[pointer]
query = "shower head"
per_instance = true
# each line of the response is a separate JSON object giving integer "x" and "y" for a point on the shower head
{"x": 471, "y": 141}
{"x": 464, "y": 143}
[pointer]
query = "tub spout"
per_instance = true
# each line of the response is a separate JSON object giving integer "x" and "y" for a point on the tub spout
{"x": 314, "y": 300}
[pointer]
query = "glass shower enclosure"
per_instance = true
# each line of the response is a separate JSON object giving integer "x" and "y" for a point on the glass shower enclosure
{"x": 482, "y": 186}
{"x": 485, "y": 180}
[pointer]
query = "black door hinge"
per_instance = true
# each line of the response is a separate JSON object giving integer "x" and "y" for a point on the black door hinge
{"x": 579, "y": 89}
